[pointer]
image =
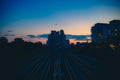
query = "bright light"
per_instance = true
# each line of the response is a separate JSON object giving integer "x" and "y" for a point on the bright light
{"x": 112, "y": 46}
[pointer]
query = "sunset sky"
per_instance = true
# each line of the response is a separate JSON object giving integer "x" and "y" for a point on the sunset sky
{"x": 19, "y": 18}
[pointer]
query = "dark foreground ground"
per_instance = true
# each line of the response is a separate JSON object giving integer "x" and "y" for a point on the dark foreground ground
{"x": 60, "y": 63}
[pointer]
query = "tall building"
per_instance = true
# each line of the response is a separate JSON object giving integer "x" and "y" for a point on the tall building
{"x": 99, "y": 32}
{"x": 57, "y": 38}
{"x": 114, "y": 28}
{"x": 102, "y": 32}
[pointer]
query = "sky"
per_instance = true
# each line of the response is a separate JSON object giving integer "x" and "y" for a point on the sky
{"x": 19, "y": 18}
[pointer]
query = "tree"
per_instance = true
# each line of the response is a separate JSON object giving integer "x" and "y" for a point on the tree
{"x": 19, "y": 40}
{"x": 3, "y": 40}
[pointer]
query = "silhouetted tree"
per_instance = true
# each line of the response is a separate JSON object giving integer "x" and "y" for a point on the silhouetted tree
{"x": 38, "y": 44}
{"x": 3, "y": 40}
{"x": 18, "y": 40}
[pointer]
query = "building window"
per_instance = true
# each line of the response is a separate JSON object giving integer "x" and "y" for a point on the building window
{"x": 109, "y": 31}
{"x": 112, "y": 46}
{"x": 99, "y": 34}
{"x": 116, "y": 30}
{"x": 116, "y": 34}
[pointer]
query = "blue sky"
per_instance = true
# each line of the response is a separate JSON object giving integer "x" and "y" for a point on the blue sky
{"x": 40, "y": 16}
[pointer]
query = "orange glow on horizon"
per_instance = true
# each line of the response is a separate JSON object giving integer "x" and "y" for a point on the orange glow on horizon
{"x": 81, "y": 41}
{"x": 44, "y": 40}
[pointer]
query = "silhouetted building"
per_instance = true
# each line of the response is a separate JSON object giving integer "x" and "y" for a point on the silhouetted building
{"x": 102, "y": 32}
{"x": 114, "y": 31}
{"x": 99, "y": 32}
{"x": 57, "y": 38}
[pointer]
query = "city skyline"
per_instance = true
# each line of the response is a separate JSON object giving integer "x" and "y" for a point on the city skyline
{"x": 20, "y": 18}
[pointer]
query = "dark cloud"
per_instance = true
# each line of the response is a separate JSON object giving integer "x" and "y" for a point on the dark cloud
{"x": 31, "y": 36}
{"x": 10, "y": 31}
{"x": 78, "y": 37}
{"x": 69, "y": 36}
{"x": 57, "y": 24}
{"x": 39, "y": 36}
{"x": 43, "y": 36}
{"x": 9, "y": 35}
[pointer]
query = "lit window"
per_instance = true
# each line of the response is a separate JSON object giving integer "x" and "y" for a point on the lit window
{"x": 116, "y": 34}
{"x": 112, "y": 46}
{"x": 99, "y": 34}
{"x": 116, "y": 30}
